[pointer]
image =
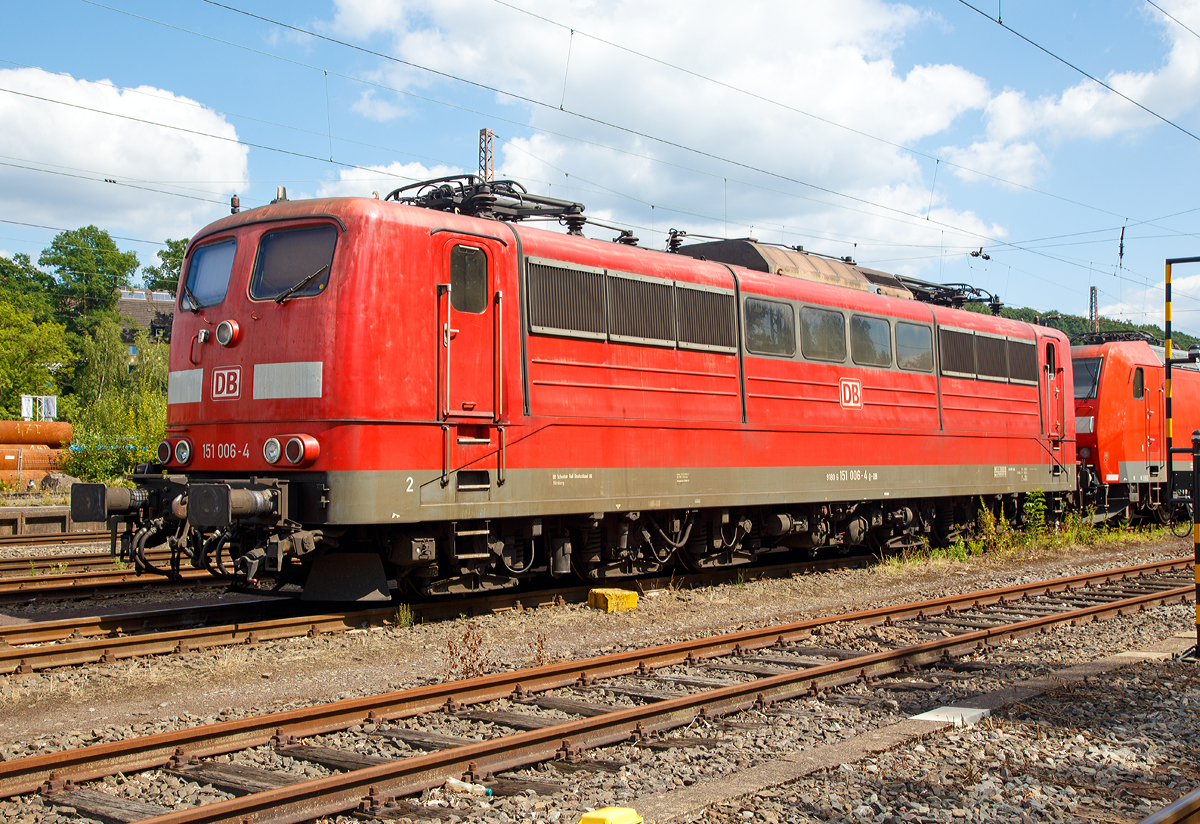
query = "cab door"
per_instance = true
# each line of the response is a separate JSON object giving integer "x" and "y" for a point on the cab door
{"x": 467, "y": 325}
{"x": 1148, "y": 422}
{"x": 1052, "y": 383}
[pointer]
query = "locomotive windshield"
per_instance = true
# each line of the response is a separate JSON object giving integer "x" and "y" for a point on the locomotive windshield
{"x": 208, "y": 275}
{"x": 293, "y": 263}
{"x": 1087, "y": 377}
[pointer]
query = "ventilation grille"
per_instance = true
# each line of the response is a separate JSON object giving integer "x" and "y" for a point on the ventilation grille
{"x": 705, "y": 319}
{"x": 1022, "y": 362}
{"x": 640, "y": 311}
{"x": 566, "y": 301}
{"x": 990, "y": 355}
{"x": 958, "y": 352}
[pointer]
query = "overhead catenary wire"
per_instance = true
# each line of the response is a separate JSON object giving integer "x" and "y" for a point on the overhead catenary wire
{"x": 865, "y": 202}
{"x": 596, "y": 120}
{"x": 1091, "y": 77}
{"x": 543, "y": 130}
{"x": 387, "y": 173}
{"x": 796, "y": 110}
{"x": 990, "y": 240}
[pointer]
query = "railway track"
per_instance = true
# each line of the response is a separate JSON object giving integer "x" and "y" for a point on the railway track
{"x": 54, "y": 538}
{"x": 31, "y": 647}
{"x": 557, "y": 713}
{"x": 14, "y": 589}
{"x": 34, "y": 565}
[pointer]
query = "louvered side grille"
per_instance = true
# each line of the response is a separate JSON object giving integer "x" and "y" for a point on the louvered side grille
{"x": 958, "y": 352}
{"x": 705, "y": 319}
{"x": 1022, "y": 361}
{"x": 567, "y": 301}
{"x": 991, "y": 357}
{"x": 640, "y": 311}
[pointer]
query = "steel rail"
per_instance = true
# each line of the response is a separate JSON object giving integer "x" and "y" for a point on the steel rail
{"x": 75, "y": 562}
{"x": 42, "y": 538}
{"x": 27, "y": 774}
{"x": 375, "y": 785}
{"x": 25, "y": 660}
{"x": 83, "y": 584}
{"x": 1185, "y": 810}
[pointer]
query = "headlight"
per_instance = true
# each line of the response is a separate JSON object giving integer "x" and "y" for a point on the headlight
{"x": 300, "y": 450}
{"x": 164, "y": 452}
{"x": 272, "y": 450}
{"x": 227, "y": 332}
{"x": 294, "y": 451}
{"x": 183, "y": 451}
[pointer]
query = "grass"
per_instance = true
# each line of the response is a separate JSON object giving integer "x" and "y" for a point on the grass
{"x": 997, "y": 539}
{"x": 404, "y": 616}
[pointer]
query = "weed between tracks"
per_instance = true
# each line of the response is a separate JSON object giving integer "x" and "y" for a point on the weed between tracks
{"x": 538, "y": 647}
{"x": 995, "y": 538}
{"x": 52, "y": 569}
{"x": 467, "y": 657}
{"x": 404, "y": 616}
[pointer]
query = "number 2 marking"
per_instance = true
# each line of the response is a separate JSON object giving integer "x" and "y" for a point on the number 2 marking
{"x": 410, "y": 483}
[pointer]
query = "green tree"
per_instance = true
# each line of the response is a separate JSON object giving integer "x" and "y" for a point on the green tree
{"x": 123, "y": 414}
{"x": 104, "y": 362}
{"x": 27, "y": 287}
{"x": 165, "y": 276}
{"x": 33, "y": 356}
{"x": 89, "y": 269}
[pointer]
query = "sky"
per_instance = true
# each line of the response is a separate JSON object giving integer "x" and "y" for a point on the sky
{"x": 903, "y": 135}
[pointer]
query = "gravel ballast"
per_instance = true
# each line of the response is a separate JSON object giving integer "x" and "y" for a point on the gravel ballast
{"x": 1131, "y": 735}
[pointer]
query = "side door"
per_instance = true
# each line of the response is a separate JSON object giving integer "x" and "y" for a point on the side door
{"x": 1052, "y": 382}
{"x": 1146, "y": 423}
{"x": 468, "y": 328}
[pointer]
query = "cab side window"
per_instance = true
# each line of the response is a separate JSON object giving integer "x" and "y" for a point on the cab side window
{"x": 468, "y": 279}
{"x": 1139, "y": 384}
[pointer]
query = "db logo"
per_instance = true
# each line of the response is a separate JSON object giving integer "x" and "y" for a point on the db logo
{"x": 851, "y": 393}
{"x": 227, "y": 383}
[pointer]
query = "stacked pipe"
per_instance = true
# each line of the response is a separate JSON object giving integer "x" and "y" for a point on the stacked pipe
{"x": 31, "y": 449}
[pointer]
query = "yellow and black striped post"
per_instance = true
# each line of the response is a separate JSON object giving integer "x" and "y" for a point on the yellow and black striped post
{"x": 1196, "y": 531}
{"x": 1194, "y": 488}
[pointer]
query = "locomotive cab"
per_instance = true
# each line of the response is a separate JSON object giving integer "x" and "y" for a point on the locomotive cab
{"x": 1121, "y": 425}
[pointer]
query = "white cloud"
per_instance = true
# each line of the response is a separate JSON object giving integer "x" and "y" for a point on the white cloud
{"x": 1015, "y": 162}
{"x": 847, "y": 74}
{"x": 72, "y": 140}
{"x": 381, "y": 179}
{"x": 372, "y": 108}
{"x": 1087, "y": 110}
{"x": 1137, "y": 302}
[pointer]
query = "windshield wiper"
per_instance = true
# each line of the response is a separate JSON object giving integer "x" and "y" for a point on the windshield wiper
{"x": 187, "y": 293}
{"x": 291, "y": 290}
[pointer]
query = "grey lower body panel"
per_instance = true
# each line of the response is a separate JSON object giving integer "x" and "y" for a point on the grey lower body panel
{"x": 374, "y": 497}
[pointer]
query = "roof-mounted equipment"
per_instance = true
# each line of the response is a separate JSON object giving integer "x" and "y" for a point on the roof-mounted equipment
{"x": 790, "y": 262}
{"x": 496, "y": 199}
{"x": 955, "y": 295}
{"x": 1114, "y": 335}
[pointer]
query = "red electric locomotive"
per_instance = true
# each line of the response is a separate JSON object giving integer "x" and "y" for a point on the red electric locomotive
{"x": 1120, "y": 419}
{"x": 432, "y": 393}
